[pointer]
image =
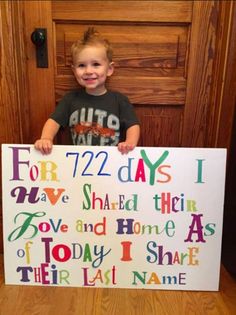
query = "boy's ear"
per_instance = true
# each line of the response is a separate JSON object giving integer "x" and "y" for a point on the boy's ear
{"x": 110, "y": 69}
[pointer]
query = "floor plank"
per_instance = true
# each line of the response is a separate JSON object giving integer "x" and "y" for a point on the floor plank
{"x": 30, "y": 300}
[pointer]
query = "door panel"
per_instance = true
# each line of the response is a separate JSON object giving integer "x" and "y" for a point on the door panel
{"x": 131, "y": 11}
{"x": 149, "y": 66}
{"x": 162, "y": 124}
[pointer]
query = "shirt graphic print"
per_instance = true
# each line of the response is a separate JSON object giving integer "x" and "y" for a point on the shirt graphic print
{"x": 91, "y": 126}
{"x": 95, "y": 120}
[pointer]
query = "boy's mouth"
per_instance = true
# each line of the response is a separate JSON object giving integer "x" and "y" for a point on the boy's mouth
{"x": 89, "y": 79}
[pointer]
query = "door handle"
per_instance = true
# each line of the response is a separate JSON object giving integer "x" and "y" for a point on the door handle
{"x": 39, "y": 39}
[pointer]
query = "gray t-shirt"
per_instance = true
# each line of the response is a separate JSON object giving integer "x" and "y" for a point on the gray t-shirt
{"x": 95, "y": 120}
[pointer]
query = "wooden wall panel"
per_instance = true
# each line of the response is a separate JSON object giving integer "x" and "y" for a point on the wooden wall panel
{"x": 141, "y": 11}
{"x": 40, "y": 80}
{"x": 10, "y": 102}
{"x": 140, "y": 47}
{"x": 161, "y": 125}
{"x": 222, "y": 108}
{"x": 135, "y": 46}
{"x": 10, "y": 128}
{"x": 149, "y": 91}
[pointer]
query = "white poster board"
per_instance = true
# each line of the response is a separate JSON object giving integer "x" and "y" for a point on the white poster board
{"x": 91, "y": 217}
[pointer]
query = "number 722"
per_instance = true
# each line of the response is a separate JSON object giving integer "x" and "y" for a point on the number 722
{"x": 89, "y": 165}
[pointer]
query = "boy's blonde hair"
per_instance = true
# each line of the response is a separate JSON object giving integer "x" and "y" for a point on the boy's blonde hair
{"x": 91, "y": 37}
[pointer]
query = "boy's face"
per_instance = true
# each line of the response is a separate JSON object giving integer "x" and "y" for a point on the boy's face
{"x": 91, "y": 69}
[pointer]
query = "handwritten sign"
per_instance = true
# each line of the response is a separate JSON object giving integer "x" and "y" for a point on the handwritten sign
{"x": 91, "y": 217}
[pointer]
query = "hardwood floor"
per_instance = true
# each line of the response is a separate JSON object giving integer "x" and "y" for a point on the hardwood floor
{"x": 19, "y": 300}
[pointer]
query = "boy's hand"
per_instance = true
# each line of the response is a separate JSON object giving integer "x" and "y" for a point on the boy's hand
{"x": 44, "y": 146}
{"x": 125, "y": 147}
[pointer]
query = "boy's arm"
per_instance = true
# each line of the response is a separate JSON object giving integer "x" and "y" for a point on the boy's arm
{"x": 132, "y": 137}
{"x": 45, "y": 143}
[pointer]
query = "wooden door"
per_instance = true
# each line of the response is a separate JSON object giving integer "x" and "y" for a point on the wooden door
{"x": 151, "y": 40}
{"x": 169, "y": 60}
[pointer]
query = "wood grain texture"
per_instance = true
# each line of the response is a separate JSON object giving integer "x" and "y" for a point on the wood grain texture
{"x": 140, "y": 90}
{"x": 11, "y": 130}
{"x": 202, "y": 53}
{"x": 161, "y": 124}
{"x": 149, "y": 66}
{"x": 132, "y": 51}
{"x": 139, "y": 49}
{"x": 223, "y": 107}
{"x": 9, "y": 112}
{"x": 29, "y": 300}
{"x": 37, "y": 14}
{"x": 140, "y": 11}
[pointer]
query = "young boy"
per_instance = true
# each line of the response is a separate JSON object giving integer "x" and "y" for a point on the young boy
{"x": 95, "y": 115}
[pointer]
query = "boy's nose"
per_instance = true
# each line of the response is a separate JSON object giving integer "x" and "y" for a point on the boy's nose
{"x": 88, "y": 69}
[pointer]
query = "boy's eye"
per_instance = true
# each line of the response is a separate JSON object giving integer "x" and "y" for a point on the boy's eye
{"x": 96, "y": 64}
{"x": 80, "y": 65}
